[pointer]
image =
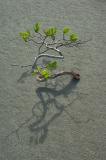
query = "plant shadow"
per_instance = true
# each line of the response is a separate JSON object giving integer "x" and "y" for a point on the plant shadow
{"x": 47, "y": 110}
{"x": 24, "y": 76}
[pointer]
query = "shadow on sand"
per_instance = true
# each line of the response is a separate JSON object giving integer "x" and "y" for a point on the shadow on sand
{"x": 45, "y": 117}
{"x": 46, "y": 110}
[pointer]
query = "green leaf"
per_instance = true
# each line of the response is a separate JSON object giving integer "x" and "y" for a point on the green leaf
{"x": 36, "y": 27}
{"x": 36, "y": 70}
{"x": 51, "y": 65}
{"x": 50, "y": 31}
{"x": 46, "y": 31}
{"x": 24, "y": 35}
{"x": 54, "y": 30}
{"x": 66, "y": 30}
{"x": 46, "y": 76}
{"x": 73, "y": 37}
{"x": 45, "y": 73}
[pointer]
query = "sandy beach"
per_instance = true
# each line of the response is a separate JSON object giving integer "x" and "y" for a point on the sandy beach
{"x": 62, "y": 119}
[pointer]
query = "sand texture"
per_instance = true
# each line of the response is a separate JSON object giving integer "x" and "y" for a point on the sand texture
{"x": 61, "y": 119}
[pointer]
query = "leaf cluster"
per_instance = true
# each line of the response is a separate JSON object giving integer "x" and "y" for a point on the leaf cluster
{"x": 51, "y": 31}
{"x": 24, "y": 35}
{"x": 36, "y": 27}
{"x": 66, "y": 30}
{"x": 72, "y": 36}
{"x": 51, "y": 65}
{"x": 45, "y": 71}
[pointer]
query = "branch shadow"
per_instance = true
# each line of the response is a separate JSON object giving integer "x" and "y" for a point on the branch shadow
{"x": 44, "y": 112}
{"x": 47, "y": 115}
{"x": 24, "y": 76}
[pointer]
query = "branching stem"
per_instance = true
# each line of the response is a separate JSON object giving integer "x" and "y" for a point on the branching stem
{"x": 42, "y": 41}
{"x": 44, "y": 55}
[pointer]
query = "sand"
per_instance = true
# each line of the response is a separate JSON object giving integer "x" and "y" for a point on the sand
{"x": 61, "y": 119}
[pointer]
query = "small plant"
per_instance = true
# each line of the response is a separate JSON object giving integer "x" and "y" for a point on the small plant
{"x": 47, "y": 38}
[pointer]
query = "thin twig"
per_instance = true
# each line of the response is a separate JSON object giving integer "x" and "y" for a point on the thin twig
{"x": 43, "y": 42}
{"x": 31, "y": 39}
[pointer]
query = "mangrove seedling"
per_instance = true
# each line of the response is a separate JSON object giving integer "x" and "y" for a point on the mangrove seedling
{"x": 47, "y": 38}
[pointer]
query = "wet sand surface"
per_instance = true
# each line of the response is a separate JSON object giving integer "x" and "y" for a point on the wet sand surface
{"x": 61, "y": 119}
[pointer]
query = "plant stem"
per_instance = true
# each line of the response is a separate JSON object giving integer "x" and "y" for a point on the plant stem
{"x": 75, "y": 75}
{"x": 45, "y": 55}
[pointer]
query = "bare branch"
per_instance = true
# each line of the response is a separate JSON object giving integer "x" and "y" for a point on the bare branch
{"x": 45, "y": 55}
{"x": 75, "y": 75}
